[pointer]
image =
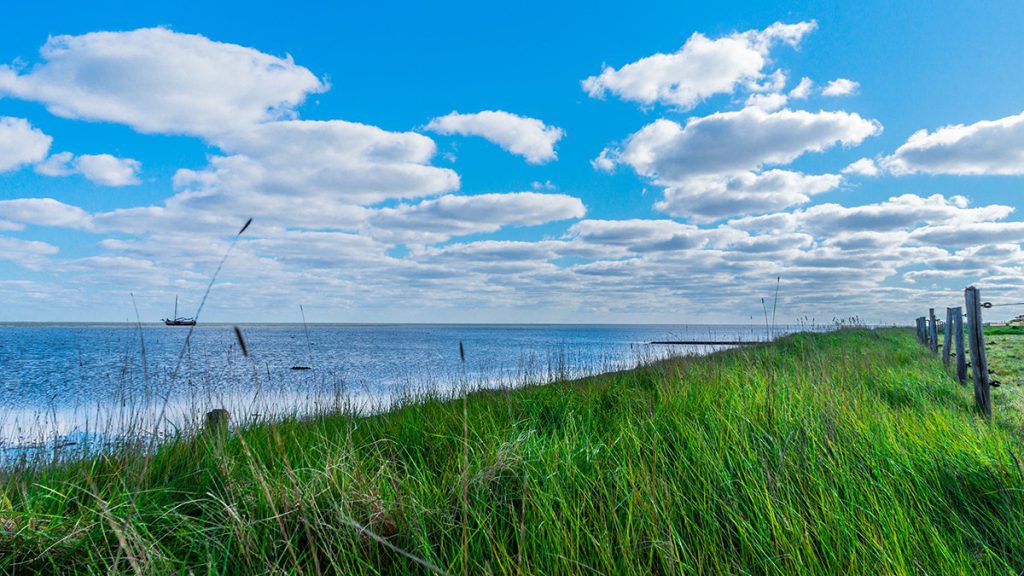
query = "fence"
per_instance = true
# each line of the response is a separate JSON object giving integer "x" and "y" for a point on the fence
{"x": 953, "y": 335}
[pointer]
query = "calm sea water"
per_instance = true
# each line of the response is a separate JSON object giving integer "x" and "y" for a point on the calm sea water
{"x": 61, "y": 382}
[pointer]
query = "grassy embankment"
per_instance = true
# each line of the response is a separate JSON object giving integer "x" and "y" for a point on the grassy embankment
{"x": 848, "y": 452}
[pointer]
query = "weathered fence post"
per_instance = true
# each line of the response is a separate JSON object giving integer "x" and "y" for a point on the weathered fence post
{"x": 920, "y": 330}
{"x": 947, "y": 334}
{"x": 217, "y": 420}
{"x": 933, "y": 332}
{"x": 976, "y": 340}
{"x": 961, "y": 355}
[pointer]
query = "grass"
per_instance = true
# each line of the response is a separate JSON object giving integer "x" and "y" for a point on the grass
{"x": 1004, "y": 330}
{"x": 847, "y": 452}
{"x": 1004, "y": 351}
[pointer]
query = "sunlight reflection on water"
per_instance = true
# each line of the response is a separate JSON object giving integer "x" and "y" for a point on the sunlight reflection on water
{"x": 80, "y": 383}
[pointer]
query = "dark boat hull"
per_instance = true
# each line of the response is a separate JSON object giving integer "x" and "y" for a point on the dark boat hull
{"x": 180, "y": 322}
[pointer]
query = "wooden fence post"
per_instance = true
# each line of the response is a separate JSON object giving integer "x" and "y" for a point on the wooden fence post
{"x": 947, "y": 334}
{"x": 933, "y": 332}
{"x": 920, "y": 330}
{"x": 958, "y": 335}
{"x": 976, "y": 340}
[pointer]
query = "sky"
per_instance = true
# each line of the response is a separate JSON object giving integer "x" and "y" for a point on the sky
{"x": 520, "y": 162}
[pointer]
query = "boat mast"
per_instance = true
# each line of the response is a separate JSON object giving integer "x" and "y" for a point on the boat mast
{"x": 175, "y": 317}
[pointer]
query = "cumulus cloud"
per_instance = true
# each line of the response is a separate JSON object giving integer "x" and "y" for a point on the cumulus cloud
{"x": 21, "y": 144}
{"x": 491, "y": 251}
{"x": 102, "y": 169}
{"x": 702, "y": 68}
{"x": 333, "y": 198}
{"x": 526, "y": 137}
{"x": 769, "y": 102}
{"x": 312, "y": 173}
{"x": 280, "y": 170}
{"x": 970, "y": 234}
{"x": 710, "y": 167}
{"x": 56, "y": 165}
{"x": 802, "y": 89}
{"x": 159, "y": 81}
{"x": 840, "y": 87}
{"x": 850, "y": 249}
{"x": 31, "y": 254}
{"x": 862, "y": 167}
{"x": 994, "y": 147}
{"x": 437, "y": 220}
{"x": 728, "y": 163}
{"x": 108, "y": 170}
{"x": 639, "y": 235}
{"x": 906, "y": 212}
{"x": 742, "y": 140}
{"x": 709, "y": 198}
{"x": 44, "y": 212}
{"x": 605, "y": 161}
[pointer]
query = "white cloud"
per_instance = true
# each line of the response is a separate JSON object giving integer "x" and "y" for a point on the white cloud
{"x": 802, "y": 90}
{"x": 619, "y": 267}
{"x": 332, "y": 198}
{"x": 108, "y": 170}
{"x": 315, "y": 174}
{"x": 160, "y": 81}
{"x": 492, "y": 251}
{"x": 20, "y": 143}
{"x": 970, "y": 233}
{"x": 711, "y": 166}
{"x": 866, "y": 240}
{"x": 788, "y": 243}
{"x": 102, "y": 169}
{"x": 44, "y": 212}
{"x": 700, "y": 69}
{"x": 31, "y": 254}
{"x": 841, "y": 87}
{"x": 639, "y": 235}
{"x": 986, "y": 147}
{"x": 526, "y": 137}
{"x": 743, "y": 140}
{"x": 862, "y": 167}
{"x": 906, "y": 212}
{"x": 317, "y": 250}
{"x": 605, "y": 161}
{"x": 437, "y": 220}
{"x": 768, "y": 102}
{"x": 56, "y": 165}
{"x": 709, "y": 198}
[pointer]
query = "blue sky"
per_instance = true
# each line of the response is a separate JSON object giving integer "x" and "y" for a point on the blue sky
{"x": 605, "y": 164}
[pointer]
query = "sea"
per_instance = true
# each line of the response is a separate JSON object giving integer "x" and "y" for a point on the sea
{"x": 69, "y": 384}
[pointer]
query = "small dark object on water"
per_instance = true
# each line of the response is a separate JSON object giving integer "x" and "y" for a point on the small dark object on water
{"x": 179, "y": 320}
{"x": 241, "y": 342}
{"x": 217, "y": 418}
{"x": 706, "y": 342}
{"x": 301, "y": 368}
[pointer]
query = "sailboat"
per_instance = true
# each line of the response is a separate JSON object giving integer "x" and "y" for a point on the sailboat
{"x": 179, "y": 320}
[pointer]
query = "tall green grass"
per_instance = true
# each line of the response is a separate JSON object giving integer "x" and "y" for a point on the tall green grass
{"x": 847, "y": 452}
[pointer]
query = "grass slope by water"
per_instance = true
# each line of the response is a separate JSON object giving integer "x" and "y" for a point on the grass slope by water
{"x": 847, "y": 452}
